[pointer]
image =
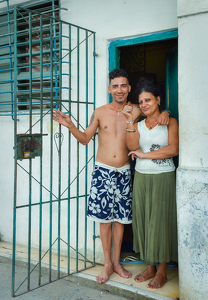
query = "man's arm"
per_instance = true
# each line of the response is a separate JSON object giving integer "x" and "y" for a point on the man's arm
{"x": 82, "y": 137}
{"x": 163, "y": 118}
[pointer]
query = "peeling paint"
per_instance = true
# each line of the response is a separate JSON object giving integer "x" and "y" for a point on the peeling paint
{"x": 192, "y": 204}
{"x": 28, "y": 117}
{"x": 55, "y": 125}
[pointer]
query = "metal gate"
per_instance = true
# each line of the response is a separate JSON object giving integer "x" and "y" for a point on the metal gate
{"x": 49, "y": 64}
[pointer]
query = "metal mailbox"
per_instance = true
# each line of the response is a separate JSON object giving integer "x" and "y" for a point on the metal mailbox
{"x": 29, "y": 145}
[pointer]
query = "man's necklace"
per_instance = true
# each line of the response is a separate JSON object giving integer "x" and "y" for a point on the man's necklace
{"x": 118, "y": 110}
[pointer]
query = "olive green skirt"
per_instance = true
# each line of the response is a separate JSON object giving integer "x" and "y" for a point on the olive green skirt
{"x": 154, "y": 219}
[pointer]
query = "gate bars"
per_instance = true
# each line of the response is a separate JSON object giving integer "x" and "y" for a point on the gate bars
{"x": 53, "y": 65}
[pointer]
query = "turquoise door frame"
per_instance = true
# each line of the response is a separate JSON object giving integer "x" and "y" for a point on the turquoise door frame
{"x": 114, "y": 56}
{"x": 172, "y": 82}
{"x": 114, "y": 59}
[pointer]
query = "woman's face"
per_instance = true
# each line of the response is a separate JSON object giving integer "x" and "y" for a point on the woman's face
{"x": 148, "y": 103}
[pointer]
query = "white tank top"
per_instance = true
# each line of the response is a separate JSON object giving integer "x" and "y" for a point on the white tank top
{"x": 151, "y": 140}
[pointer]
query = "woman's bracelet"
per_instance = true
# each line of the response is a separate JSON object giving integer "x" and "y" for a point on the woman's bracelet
{"x": 130, "y": 130}
{"x": 130, "y": 122}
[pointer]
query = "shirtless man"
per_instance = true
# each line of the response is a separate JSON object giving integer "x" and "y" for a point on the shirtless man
{"x": 111, "y": 193}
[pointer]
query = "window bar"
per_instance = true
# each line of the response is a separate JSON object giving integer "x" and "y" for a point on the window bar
{"x": 94, "y": 140}
{"x": 77, "y": 218}
{"x": 41, "y": 157}
{"x": 86, "y": 151}
{"x": 55, "y": 54}
{"x": 60, "y": 138}
{"x": 51, "y": 143}
{"x": 30, "y": 160}
{"x": 15, "y": 152}
{"x": 10, "y": 60}
{"x": 69, "y": 157}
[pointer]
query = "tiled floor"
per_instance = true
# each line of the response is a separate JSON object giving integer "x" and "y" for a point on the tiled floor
{"x": 170, "y": 289}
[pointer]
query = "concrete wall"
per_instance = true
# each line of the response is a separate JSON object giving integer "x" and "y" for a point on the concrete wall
{"x": 192, "y": 174}
{"x": 110, "y": 20}
{"x": 192, "y": 195}
{"x": 114, "y": 19}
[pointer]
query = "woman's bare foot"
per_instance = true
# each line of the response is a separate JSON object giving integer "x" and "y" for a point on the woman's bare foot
{"x": 149, "y": 273}
{"x": 157, "y": 282}
{"x": 119, "y": 269}
{"x": 105, "y": 274}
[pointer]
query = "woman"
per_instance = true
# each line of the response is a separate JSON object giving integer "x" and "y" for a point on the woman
{"x": 154, "y": 191}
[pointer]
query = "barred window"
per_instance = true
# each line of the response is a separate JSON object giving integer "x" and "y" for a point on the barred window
{"x": 36, "y": 77}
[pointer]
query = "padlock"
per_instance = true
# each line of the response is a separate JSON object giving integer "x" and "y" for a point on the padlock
{"x": 26, "y": 151}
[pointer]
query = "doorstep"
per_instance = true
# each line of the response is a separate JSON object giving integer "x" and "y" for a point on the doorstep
{"x": 116, "y": 285}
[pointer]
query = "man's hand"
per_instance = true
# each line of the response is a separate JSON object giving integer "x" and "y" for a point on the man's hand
{"x": 127, "y": 111}
{"x": 62, "y": 118}
{"x": 163, "y": 118}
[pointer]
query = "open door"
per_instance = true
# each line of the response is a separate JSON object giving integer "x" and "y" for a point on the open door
{"x": 172, "y": 82}
{"x": 154, "y": 57}
{"x": 172, "y": 86}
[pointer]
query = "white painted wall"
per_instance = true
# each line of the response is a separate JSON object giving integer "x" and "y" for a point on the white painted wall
{"x": 192, "y": 205}
{"x": 114, "y": 19}
{"x": 193, "y": 78}
{"x": 187, "y": 7}
{"x": 110, "y": 20}
{"x": 192, "y": 175}
{"x": 6, "y": 178}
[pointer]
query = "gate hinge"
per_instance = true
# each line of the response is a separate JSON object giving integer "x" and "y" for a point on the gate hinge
{"x": 95, "y": 54}
{"x": 95, "y": 236}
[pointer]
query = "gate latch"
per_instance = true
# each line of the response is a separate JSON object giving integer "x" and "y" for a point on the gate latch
{"x": 29, "y": 145}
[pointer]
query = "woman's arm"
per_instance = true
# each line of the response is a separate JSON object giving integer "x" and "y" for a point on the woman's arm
{"x": 166, "y": 152}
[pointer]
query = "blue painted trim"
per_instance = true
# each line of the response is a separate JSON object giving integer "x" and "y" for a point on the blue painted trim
{"x": 153, "y": 37}
{"x": 164, "y": 35}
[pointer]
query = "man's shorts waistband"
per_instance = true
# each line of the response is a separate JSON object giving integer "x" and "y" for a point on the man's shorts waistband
{"x": 126, "y": 167}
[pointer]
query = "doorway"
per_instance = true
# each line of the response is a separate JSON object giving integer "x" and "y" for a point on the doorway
{"x": 155, "y": 61}
{"x": 154, "y": 57}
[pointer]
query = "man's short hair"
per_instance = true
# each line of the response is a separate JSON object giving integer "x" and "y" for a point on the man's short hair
{"x": 118, "y": 73}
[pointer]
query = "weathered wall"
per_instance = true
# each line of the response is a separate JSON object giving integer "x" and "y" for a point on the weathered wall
{"x": 110, "y": 20}
{"x": 192, "y": 196}
{"x": 193, "y": 104}
{"x": 114, "y": 19}
{"x": 192, "y": 175}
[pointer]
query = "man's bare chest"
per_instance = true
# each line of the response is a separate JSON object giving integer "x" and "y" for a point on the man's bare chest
{"x": 113, "y": 127}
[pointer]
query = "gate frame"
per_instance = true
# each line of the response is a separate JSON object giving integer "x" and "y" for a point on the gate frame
{"x": 51, "y": 142}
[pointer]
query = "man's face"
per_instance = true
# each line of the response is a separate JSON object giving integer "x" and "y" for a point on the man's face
{"x": 119, "y": 89}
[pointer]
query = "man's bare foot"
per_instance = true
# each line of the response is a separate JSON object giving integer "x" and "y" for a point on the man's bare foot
{"x": 105, "y": 274}
{"x": 157, "y": 282}
{"x": 149, "y": 273}
{"x": 119, "y": 269}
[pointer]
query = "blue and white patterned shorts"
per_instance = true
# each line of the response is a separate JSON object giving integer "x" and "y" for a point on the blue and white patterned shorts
{"x": 110, "y": 194}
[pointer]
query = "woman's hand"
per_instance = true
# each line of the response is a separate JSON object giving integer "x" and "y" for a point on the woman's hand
{"x": 136, "y": 154}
